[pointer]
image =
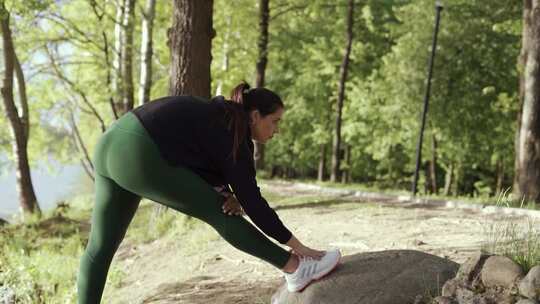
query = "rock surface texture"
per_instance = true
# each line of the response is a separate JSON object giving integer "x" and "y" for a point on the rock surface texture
{"x": 385, "y": 277}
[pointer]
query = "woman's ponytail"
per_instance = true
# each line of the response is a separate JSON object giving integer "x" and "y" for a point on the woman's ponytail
{"x": 238, "y": 116}
{"x": 239, "y": 92}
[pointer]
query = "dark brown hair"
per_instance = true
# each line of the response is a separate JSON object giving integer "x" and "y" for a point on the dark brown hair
{"x": 244, "y": 100}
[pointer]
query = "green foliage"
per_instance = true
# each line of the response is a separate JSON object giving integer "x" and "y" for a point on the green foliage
{"x": 473, "y": 105}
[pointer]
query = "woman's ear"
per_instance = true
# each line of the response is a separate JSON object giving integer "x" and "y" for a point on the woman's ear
{"x": 254, "y": 116}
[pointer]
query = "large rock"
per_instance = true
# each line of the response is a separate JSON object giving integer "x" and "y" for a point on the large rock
{"x": 501, "y": 271}
{"x": 385, "y": 277}
{"x": 530, "y": 285}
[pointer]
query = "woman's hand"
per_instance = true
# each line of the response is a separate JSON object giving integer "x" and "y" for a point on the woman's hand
{"x": 231, "y": 206}
{"x": 303, "y": 251}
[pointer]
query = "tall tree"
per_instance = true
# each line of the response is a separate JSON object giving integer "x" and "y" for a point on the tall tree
{"x": 341, "y": 94}
{"x": 118, "y": 61}
{"x": 528, "y": 148}
{"x": 128, "y": 25}
{"x": 147, "y": 51}
{"x": 264, "y": 16}
{"x": 19, "y": 123}
{"x": 190, "y": 43}
{"x": 123, "y": 56}
{"x": 127, "y": 55}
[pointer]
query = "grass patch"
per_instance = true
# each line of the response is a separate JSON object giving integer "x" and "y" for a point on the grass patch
{"x": 519, "y": 240}
{"x": 516, "y": 240}
{"x": 39, "y": 258}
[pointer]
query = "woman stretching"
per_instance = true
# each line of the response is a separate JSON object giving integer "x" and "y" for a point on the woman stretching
{"x": 184, "y": 152}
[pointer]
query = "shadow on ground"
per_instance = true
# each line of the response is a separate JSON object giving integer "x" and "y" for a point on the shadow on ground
{"x": 215, "y": 290}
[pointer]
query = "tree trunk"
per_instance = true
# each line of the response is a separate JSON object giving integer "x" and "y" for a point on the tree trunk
{"x": 118, "y": 61}
{"x": 455, "y": 183}
{"x": 322, "y": 163}
{"x": 147, "y": 51}
{"x": 19, "y": 125}
{"x": 433, "y": 165}
{"x": 128, "y": 93}
{"x": 522, "y": 62}
{"x": 190, "y": 42}
{"x": 264, "y": 16}
{"x": 448, "y": 179}
{"x": 341, "y": 94}
{"x": 528, "y": 152}
{"x": 345, "y": 175}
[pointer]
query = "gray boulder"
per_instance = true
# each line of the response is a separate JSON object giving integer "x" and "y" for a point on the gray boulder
{"x": 501, "y": 271}
{"x": 530, "y": 285}
{"x": 385, "y": 277}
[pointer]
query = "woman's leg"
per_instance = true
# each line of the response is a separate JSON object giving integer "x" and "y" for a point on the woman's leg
{"x": 113, "y": 210}
{"x": 136, "y": 165}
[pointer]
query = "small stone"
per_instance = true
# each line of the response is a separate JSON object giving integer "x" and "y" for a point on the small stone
{"x": 419, "y": 300}
{"x": 464, "y": 295}
{"x": 419, "y": 242}
{"x": 530, "y": 285}
{"x": 449, "y": 288}
{"x": 466, "y": 273}
{"x": 501, "y": 271}
{"x": 444, "y": 300}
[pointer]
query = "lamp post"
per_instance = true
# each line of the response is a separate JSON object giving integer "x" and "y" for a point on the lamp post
{"x": 438, "y": 9}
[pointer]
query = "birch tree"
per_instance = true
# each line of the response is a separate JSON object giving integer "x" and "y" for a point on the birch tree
{"x": 18, "y": 117}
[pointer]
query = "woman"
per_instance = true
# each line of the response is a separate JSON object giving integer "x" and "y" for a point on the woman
{"x": 183, "y": 152}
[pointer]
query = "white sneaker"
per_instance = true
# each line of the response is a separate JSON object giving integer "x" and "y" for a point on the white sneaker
{"x": 309, "y": 270}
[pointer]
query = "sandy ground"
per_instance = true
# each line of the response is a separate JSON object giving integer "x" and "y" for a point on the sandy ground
{"x": 209, "y": 270}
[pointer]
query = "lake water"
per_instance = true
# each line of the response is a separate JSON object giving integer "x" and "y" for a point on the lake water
{"x": 51, "y": 186}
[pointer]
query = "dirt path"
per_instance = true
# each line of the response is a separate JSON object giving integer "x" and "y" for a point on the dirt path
{"x": 194, "y": 270}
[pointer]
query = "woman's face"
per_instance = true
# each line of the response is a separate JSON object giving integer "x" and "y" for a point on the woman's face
{"x": 263, "y": 128}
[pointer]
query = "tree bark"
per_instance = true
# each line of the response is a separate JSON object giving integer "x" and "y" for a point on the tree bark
{"x": 190, "y": 42}
{"x": 128, "y": 92}
{"x": 528, "y": 152}
{"x": 448, "y": 179}
{"x": 341, "y": 94}
{"x": 19, "y": 125}
{"x": 117, "y": 58}
{"x": 433, "y": 165}
{"x": 264, "y": 16}
{"x": 147, "y": 51}
{"x": 322, "y": 163}
{"x": 345, "y": 175}
{"x": 457, "y": 176}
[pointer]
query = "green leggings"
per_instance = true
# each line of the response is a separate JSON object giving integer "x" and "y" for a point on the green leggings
{"x": 128, "y": 166}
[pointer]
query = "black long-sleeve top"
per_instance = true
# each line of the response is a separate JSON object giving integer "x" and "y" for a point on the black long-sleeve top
{"x": 192, "y": 132}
